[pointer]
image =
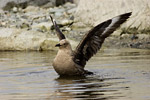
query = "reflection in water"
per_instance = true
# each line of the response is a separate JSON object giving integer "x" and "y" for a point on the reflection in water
{"x": 91, "y": 87}
{"x": 119, "y": 75}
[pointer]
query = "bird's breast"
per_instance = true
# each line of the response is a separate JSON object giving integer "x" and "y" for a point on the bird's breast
{"x": 63, "y": 64}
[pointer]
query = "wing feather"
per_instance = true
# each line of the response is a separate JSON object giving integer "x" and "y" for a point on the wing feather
{"x": 58, "y": 31}
{"x": 93, "y": 40}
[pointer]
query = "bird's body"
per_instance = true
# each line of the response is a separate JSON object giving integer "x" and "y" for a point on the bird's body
{"x": 71, "y": 63}
{"x": 63, "y": 62}
{"x": 66, "y": 65}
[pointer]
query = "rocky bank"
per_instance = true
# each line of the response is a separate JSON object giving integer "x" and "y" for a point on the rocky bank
{"x": 30, "y": 28}
{"x": 100, "y": 10}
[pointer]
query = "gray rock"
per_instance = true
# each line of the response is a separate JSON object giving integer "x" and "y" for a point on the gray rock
{"x": 72, "y": 11}
{"x": 25, "y": 25}
{"x": 56, "y": 9}
{"x": 44, "y": 26}
{"x": 31, "y": 9}
{"x": 125, "y": 36}
{"x": 61, "y": 2}
{"x": 49, "y": 5}
{"x": 3, "y": 24}
{"x": 48, "y": 44}
{"x": 102, "y": 11}
{"x": 58, "y": 14}
{"x": 143, "y": 36}
{"x": 68, "y": 29}
{"x": 65, "y": 22}
{"x": 17, "y": 39}
{"x": 1, "y": 11}
{"x": 8, "y": 4}
{"x": 15, "y": 9}
{"x": 39, "y": 2}
{"x": 69, "y": 5}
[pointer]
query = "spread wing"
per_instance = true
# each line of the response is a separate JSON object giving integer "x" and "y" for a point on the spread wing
{"x": 93, "y": 40}
{"x": 59, "y": 33}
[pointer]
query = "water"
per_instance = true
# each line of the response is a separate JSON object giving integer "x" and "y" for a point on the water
{"x": 120, "y": 74}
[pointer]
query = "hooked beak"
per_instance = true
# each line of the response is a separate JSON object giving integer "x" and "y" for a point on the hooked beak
{"x": 57, "y": 45}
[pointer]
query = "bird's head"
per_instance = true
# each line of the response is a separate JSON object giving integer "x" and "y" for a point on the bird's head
{"x": 63, "y": 44}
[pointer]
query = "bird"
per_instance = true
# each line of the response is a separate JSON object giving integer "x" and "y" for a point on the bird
{"x": 70, "y": 62}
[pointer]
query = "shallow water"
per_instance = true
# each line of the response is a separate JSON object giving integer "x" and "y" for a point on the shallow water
{"x": 120, "y": 74}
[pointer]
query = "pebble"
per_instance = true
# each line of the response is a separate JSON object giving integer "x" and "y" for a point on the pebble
{"x": 31, "y": 9}
{"x": 71, "y": 11}
{"x": 56, "y": 9}
{"x": 37, "y": 17}
{"x": 66, "y": 22}
{"x": 15, "y": 9}
{"x": 58, "y": 14}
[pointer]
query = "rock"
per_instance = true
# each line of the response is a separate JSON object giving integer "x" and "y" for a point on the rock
{"x": 58, "y": 14}
{"x": 15, "y": 9}
{"x": 9, "y": 5}
{"x": 61, "y": 2}
{"x": 1, "y": 11}
{"x": 143, "y": 36}
{"x": 19, "y": 9}
{"x": 69, "y": 5}
{"x": 66, "y": 22}
{"x": 125, "y": 36}
{"x": 31, "y": 9}
{"x": 25, "y": 25}
{"x": 18, "y": 39}
{"x": 94, "y": 12}
{"x": 117, "y": 32}
{"x": 48, "y": 44}
{"x": 72, "y": 11}
{"x": 35, "y": 16}
{"x": 44, "y": 26}
{"x": 6, "y": 32}
{"x": 56, "y": 9}
{"x": 68, "y": 29}
{"x": 76, "y": 1}
{"x": 3, "y": 24}
{"x": 49, "y": 5}
{"x": 22, "y": 4}
{"x": 79, "y": 25}
{"x": 39, "y": 2}
{"x": 136, "y": 45}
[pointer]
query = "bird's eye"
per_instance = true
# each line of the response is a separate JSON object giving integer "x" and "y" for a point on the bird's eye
{"x": 65, "y": 43}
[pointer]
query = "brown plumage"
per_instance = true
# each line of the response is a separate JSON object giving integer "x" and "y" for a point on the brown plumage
{"x": 68, "y": 62}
